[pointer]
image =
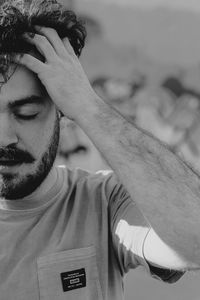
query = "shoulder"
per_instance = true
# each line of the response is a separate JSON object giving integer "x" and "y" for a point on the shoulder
{"x": 79, "y": 176}
{"x": 103, "y": 181}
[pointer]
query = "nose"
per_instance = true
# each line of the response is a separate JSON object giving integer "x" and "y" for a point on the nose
{"x": 8, "y": 134}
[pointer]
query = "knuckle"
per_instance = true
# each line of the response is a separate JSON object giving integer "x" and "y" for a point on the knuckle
{"x": 40, "y": 39}
{"x": 51, "y": 30}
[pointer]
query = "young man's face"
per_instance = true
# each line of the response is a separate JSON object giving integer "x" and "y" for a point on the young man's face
{"x": 29, "y": 135}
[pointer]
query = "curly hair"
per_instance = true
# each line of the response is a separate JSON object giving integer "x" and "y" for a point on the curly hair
{"x": 20, "y": 16}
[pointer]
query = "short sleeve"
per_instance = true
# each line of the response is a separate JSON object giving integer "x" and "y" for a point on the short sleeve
{"x": 129, "y": 229}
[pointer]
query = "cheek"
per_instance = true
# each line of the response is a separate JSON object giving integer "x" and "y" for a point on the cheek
{"x": 35, "y": 140}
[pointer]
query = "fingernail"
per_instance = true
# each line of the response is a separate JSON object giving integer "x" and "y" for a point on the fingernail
{"x": 37, "y": 27}
{"x": 17, "y": 57}
{"x": 31, "y": 34}
{"x": 28, "y": 35}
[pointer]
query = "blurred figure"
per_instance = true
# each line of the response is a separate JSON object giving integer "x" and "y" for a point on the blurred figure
{"x": 152, "y": 106}
{"x": 76, "y": 150}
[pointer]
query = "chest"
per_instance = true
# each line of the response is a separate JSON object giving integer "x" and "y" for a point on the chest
{"x": 49, "y": 259}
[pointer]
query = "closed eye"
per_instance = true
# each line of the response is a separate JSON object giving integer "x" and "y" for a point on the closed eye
{"x": 27, "y": 111}
{"x": 26, "y": 117}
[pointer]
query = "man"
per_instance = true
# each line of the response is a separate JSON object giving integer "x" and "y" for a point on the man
{"x": 69, "y": 234}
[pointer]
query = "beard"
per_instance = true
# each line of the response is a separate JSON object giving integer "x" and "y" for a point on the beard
{"x": 12, "y": 188}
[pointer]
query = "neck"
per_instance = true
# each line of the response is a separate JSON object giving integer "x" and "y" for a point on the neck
{"x": 46, "y": 185}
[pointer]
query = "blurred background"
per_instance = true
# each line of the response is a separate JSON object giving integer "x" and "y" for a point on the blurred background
{"x": 143, "y": 57}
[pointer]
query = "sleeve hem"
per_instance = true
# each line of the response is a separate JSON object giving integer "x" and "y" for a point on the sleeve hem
{"x": 165, "y": 275}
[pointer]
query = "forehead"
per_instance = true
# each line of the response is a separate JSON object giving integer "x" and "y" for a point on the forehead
{"x": 22, "y": 83}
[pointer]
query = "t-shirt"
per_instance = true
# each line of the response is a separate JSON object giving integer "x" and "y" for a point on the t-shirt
{"x": 74, "y": 243}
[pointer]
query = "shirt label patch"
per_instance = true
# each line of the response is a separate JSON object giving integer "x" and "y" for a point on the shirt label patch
{"x": 72, "y": 280}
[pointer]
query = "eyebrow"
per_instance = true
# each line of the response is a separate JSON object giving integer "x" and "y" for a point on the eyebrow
{"x": 27, "y": 100}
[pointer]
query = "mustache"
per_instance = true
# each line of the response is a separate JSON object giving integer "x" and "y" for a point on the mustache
{"x": 16, "y": 155}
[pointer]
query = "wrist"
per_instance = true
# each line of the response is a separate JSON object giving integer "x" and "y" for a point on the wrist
{"x": 88, "y": 109}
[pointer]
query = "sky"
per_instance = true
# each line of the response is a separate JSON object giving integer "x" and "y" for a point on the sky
{"x": 193, "y": 5}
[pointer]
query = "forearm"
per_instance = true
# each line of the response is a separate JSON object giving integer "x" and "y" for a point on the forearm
{"x": 165, "y": 188}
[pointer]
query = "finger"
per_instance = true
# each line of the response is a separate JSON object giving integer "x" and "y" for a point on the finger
{"x": 68, "y": 46}
{"x": 43, "y": 45}
{"x": 53, "y": 37}
{"x": 30, "y": 62}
